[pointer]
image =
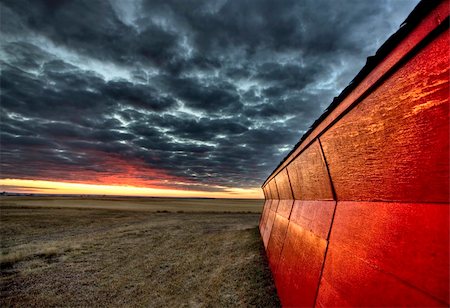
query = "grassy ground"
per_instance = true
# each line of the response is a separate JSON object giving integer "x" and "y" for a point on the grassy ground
{"x": 99, "y": 257}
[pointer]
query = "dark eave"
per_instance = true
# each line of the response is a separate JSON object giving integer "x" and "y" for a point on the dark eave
{"x": 410, "y": 23}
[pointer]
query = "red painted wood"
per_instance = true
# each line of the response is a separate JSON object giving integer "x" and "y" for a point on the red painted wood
{"x": 300, "y": 264}
{"x": 407, "y": 241}
{"x": 313, "y": 216}
{"x": 394, "y": 145}
{"x": 269, "y": 192}
{"x": 262, "y": 215}
{"x": 309, "y": 176}
{"x": 276, "y": 241}
{"x": 348, "y": 280}
{"x": 428, "y": 24}
{"x": 284, "y": 208}
{"x": 274, "y": 205}
{"x": 266, "y": 215}
{"x": 262, "y": 221}
{"x": 283, "y": 186}
{"x": 266, "y": 192}
{"x": 268, "y": 228}
{"x": 273, "y": 190}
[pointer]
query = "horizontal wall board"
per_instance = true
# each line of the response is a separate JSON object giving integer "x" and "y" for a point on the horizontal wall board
{"x": 369, "y": 225}
{"x": 283, "y": 185}
{"x": 264, "y": 226}
{"x": 423, "y": 28}
{"x": 268, "y": 228}
{"x": 262, "y": 221}
{"x": 276, "y": 241}
{"x": 348, "y": 280}
{"x": 300, "y": 264}
{"x": 309, "y": 176}
{"x": 284, "y": 208}
{"x": 269, "y": 191}
{"x": 408, "y": 241}
{"x": 266, "y": 192}
{"x": 313, "y": 216}
{"x": 394, "y": 145}
{"x": 273, "y": 190}
{"x": 274, "y": 205}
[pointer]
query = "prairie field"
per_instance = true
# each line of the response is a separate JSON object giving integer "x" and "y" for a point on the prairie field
{"x": 132, "y": 252}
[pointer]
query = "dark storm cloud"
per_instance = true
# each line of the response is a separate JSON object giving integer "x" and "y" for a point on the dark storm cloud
{"x": 216, "y": 96}
{"x": 213, "y": 93}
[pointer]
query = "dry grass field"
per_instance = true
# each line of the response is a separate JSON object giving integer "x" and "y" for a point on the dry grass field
{"x": 165, "y": 253}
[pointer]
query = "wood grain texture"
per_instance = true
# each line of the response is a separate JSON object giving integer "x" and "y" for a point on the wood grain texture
{"x": 284, "y": 208}
{"x": 349, "y": 281}
{"x": 274, "y": 205}
{"x": 266, "y": 214}
{"x": 283, "y": 186}
{"x": 428, "y": 24}
{"x": 263, "y": 219}
{"x": 276, "y": 241}
{"x": 388, "y": 157}
{"x": 408, "y": 241}
{"x": 394, "y": 145}
{"x": 266, "y": 192}
{"x": 273, "y": 190}
{"x": 268, "y": 228}
{"x": 300, "y": 264}
{"x": 313, "y": 216}
{"x": 309, "y": 175}
{"x": 269, "y": 191}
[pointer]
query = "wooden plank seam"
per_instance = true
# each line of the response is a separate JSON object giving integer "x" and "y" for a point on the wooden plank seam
{"x": 331, "y": 223}
{"x": 289, "y": 218}
{"x": 443, "y": 25}
{"x": 292, "y": 191}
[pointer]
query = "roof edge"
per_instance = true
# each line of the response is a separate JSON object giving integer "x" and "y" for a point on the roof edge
{"x": 416, "y": 16}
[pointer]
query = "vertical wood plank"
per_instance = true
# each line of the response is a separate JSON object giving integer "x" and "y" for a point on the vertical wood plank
{"x": 348, "y": 281}
{"x": 309, "y": 175}
{"x": 408, "y": 241}
{"x": 263, "y": 218}
{"x": 283, "y": 186}
{"x": 268, "y": 228}
{"x": 284, "y": 208}
{"x": 313, "y": 216}
{"x": 276, "y": 241}
{"x": 273, "y": 190}
{"x": 394, "y": 145}
{"x": 300, "y": 264}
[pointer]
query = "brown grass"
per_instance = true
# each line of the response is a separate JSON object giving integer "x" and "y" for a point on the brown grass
{"x": 97, "y": 257}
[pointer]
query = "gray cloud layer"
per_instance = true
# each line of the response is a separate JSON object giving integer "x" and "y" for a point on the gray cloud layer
{"x": 207, "y": 92}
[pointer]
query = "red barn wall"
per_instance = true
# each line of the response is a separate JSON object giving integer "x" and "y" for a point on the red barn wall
{"x": 358, "y": 214}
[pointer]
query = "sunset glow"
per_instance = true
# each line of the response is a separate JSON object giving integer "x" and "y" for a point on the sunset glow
{"x": 53, "y": 187}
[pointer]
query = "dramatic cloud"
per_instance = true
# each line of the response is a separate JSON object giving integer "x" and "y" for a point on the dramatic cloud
{"x": 186, "y": 94}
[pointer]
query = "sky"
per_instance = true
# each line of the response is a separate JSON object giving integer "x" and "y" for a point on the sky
{"x": 172, "y": 98}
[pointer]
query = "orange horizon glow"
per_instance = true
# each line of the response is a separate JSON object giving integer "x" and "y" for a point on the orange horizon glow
{"x": 56, "y": 187}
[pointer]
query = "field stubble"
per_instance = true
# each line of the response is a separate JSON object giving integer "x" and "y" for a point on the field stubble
{"x": 99, "y": 257}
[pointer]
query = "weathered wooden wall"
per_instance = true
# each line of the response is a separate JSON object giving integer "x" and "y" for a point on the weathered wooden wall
{"x": 358, "y": 214}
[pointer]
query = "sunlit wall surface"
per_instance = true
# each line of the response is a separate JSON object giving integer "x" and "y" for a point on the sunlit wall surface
{"x": 358, "y": 213}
